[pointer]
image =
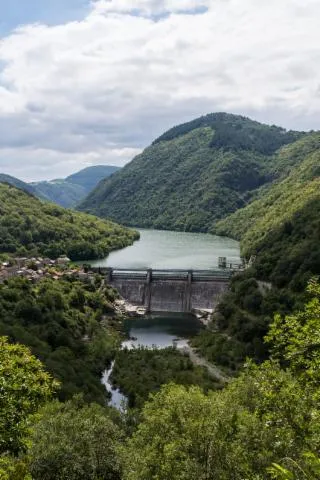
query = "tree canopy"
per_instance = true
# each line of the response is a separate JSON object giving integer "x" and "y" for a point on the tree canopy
{"x": 24, "y": 387}
{"x": 29, "y": 226}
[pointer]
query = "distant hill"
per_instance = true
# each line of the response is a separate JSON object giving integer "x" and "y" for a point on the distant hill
{"x": 72, "y": 190}
{"x": 193, "y": 175}
{"x": 89, "y": 177}
{"x": 31, "y": 226}
{"x": 17, "y": 183}
{"x": 60, "y": 192}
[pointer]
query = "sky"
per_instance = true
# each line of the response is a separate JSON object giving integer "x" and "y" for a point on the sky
{"x": 94, "y": 82}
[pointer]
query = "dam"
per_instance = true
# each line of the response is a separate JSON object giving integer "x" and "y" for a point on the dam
{"x": 181, "y": 291}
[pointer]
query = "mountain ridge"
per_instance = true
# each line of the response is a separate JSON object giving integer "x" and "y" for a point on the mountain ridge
{"x": 193, "y": 175}
{"x": 66, "y": 192}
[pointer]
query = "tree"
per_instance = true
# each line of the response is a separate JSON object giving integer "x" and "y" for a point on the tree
{"x": 172, "y": 440}
{"x": 24, "y": 387}
{"x": 295, "y": 338}
{"x": 308, "y": 469}
{"x": 75, "y": 441}
{"x": 260, "y": 418}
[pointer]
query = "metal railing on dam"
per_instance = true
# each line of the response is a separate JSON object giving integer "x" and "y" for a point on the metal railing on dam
{"x": 163, "y": 274}
{"x": 168, "y": 290}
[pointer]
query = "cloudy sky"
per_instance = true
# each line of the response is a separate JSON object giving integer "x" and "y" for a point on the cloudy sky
{"x": 85, "y": 83}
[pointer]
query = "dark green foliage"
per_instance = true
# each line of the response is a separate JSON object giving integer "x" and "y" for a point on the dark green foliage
{"x": 260, "y": 418}
{"x": 235, "y": 132}
{"x": 29, "y": 226}
{"x": 281, "y": 230}
{"x": 194, "y": 175}
{"x": 142, "y": 371}
{"x": 56, "y": 320}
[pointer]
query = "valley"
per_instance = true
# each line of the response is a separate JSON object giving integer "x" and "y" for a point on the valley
{"x": 220, "y": 187}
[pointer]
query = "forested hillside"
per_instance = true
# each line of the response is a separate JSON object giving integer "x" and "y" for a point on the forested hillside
{"x": 264, "y": 425}
{"x": 281, "y": 232}
{"x": 61, "y": 322}
{"x": 30, "y": 226}
{"x": 194, "y": 175}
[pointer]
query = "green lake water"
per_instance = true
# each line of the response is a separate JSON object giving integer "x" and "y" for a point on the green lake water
{"x": 163, "y": 249}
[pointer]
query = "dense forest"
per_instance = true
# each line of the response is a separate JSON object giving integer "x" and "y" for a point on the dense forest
{"x": 264, "y": 425}
{"x": 280, "y": 231}
{"x": 69, "y": 325}
{"x": 194, "y": 175}
{"x": 141, "y": 371}
{"x": 29, "y": 226}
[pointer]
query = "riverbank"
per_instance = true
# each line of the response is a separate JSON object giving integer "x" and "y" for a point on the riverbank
{"x": 212, "y": 369}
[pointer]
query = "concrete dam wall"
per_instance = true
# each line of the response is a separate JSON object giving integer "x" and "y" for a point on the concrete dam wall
{"x": 171, "y": 295}
{"x": 169, "y": 290}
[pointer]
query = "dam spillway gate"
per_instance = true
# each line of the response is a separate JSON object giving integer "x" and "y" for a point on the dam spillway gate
{"x": 169, "y": 290}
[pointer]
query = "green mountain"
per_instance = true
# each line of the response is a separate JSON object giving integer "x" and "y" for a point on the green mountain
{"x": 277, "y": 205}
{"x": 193, "y": 175}
{"x": 72, "y": 190}
{"x": 280, "y": 231}
{"x": 30, "y": 226}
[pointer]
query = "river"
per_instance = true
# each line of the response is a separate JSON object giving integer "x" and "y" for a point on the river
{"x": 160, "y": 331}
{"x": 160, "y": 250}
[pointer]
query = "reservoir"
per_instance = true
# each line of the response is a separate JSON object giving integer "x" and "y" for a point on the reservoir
{"x": 166, "y": 250}
{"x": 159, "y": 249}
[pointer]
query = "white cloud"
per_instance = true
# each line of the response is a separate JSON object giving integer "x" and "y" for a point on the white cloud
{"x": 82, "y": 91}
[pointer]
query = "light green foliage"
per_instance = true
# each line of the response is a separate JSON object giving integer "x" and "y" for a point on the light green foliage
{"x": 172, "y": 438}
{"x": 14, "y": 468}
{"x": 295, "y": 339}
{"x": 236, "y": 433}
{"x": 307, "y": 469}
{"x": 193, "y": 175}
{"x": 24, "y": 387}
{"x": 61, "y": 322}
{"x": 74, "y": 441}
{"x": 15, "y": 182}
{"x": 29, "y": 226}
